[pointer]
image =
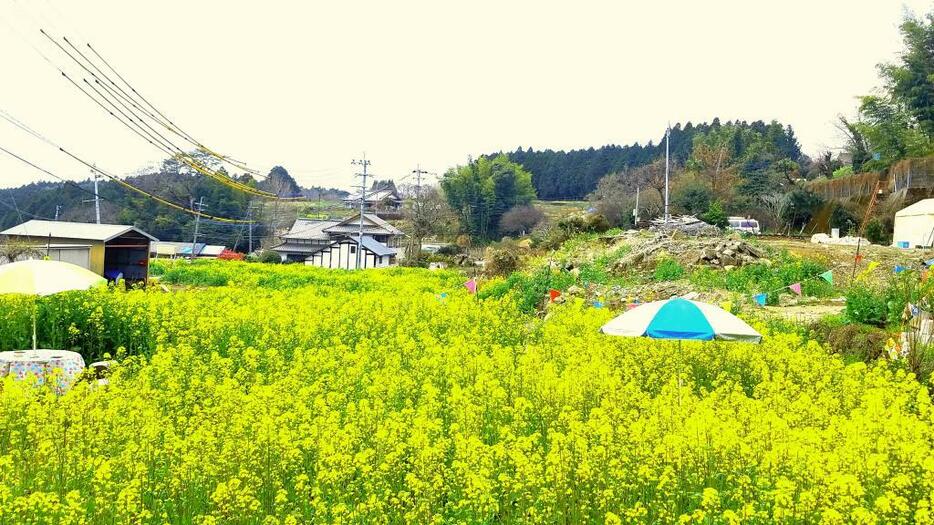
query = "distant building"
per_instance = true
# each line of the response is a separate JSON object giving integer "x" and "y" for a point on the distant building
{"x": 111, "y": 250}
{"x": 382, "y": 196}
{"x": 173, "y": 250}
{"x": 333, "y": 243}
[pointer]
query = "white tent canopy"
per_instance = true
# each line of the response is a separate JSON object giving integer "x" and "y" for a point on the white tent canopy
{"x": 915, "y": 224}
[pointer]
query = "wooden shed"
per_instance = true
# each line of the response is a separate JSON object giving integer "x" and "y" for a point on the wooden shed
{"x": 111, "y": 250}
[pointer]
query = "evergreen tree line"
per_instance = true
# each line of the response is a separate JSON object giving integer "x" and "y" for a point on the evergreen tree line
{"x": 571, "y": 175}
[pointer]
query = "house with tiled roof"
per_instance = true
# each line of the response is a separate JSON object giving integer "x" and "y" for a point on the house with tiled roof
{"x": 331, "y": 243}
{"x": 382, "y": 196}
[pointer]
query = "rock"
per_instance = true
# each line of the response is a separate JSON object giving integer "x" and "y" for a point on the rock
{"x": 755, "y": 252}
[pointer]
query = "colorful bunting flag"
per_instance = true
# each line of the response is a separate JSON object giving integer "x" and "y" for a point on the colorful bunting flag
{"x": 796, "y": 288}
{"x": 630, "y": 306}
{"x": 914, "y": 310}
{"x": 553, "y": 294}
{"x": 727, "y": 305}
{"x": 827, "y": 276}
{"x": 760, "y": 298}
{"x": 859, "y": 258}
{"x": 471, "y": 286}
{"x": 872, "y": 266}
{"x": 597, "y": 304}
{"x": 899, "y": 268}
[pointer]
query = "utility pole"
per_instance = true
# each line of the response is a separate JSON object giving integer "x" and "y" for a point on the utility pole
{"x": 58, "y": 208}
{"x": 667, "y": 137}
{"x": 635, "y": 211}
{"x": 200, "y": 205}
{"x": 419, "y": 212}
{"x": 97, "y": 198}
{"x": 250, "y": 219}
{"x": 362, "y": 187}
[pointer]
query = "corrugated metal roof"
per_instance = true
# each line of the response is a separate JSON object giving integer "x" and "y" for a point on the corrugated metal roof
{"x": 180, "y": 247}
{"x": 288, "y": 247}
{"x": 376, "y": 247}
{"x": 212, "y": 250}
{"x": 73, "y": 230}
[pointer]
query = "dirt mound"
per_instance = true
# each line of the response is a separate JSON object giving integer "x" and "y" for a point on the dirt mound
{"x": 718, "y": 252}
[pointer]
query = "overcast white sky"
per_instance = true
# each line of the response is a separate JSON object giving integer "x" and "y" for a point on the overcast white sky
{"x": 311, "y": 86}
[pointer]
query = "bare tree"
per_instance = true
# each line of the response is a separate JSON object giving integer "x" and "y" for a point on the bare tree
{"x": 15, "y": 249}
{"x": 520, "y": 220}
{"x": 426, "y": 214}
{"x": 715, "y": 163}
{"x": 774, "y": 206}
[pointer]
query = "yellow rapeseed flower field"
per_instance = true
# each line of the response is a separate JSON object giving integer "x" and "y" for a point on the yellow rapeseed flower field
{"x": 286, "y": 395}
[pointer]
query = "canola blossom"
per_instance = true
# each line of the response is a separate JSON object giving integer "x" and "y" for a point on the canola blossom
{"x": 298, "y": 395}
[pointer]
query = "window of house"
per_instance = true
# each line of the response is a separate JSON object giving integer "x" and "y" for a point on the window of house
{"x": 353, "y": 249}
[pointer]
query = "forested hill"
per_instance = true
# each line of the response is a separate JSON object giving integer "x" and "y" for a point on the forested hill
{"x": 122, "y": 206}
{"x": 565, "y": 175}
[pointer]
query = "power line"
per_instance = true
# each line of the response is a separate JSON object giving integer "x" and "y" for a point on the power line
{"x": 126, "y": 185}
{"x": 154, "y": 138}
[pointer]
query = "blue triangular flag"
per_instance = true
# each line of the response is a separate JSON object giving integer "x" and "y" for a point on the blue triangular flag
{"x": 760, "y": 298}
{"x": 899, "y": 268}
{"x": 597, "y": 304}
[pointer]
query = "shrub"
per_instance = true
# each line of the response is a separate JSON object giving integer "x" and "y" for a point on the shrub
{"x": 502, "y": 259}
{"x": 716, "y": 216}
{"x": 844, "y": 219}
{"x": 269, "y": 257}
{"x": 668, "y": 269}
{"x": 858, "y": 341}
{"x": 844, "y": 171}
{"x": 865, "y": 305}
{"x": 450, "y": 249}
{"x": 520, "y": 220}
{"x": 597, "y": 222}
{"x": 230, "y": 255}
{"x": 875, "y": 232}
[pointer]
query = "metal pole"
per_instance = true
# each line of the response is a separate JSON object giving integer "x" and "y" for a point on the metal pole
{"x": 667, "y": 139}
{"x": 197, "y": 221}
{"x": 97, "y": 199}
{"x": 58, "y": 208}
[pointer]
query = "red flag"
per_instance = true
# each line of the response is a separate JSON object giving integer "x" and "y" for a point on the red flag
{"x": 796, "y": 288}
{"x": 859, "y": 258}
{"x": 471, "y": 286}
{"x": 553, "y": 294}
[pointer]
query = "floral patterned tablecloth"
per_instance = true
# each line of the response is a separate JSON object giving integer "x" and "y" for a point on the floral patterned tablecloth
{"x": 42, "y": 364}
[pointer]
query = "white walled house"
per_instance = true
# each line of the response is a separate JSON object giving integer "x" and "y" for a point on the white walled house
{"x": 343, "y": 254}
{"x": 333, "y": 243}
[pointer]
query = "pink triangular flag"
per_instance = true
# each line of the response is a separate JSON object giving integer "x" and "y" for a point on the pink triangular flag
{"x": 471, "y": 286}
{"x": 796, "y": 288}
